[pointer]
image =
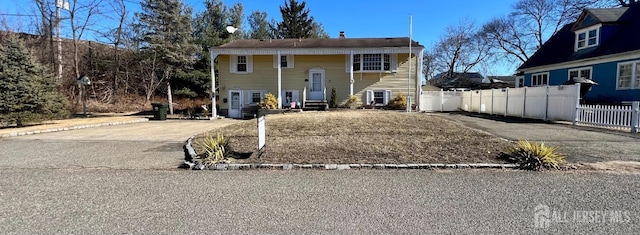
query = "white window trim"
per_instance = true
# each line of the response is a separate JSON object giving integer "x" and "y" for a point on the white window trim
{"x": 586, "y": 37}
{"x": 634, "y": 69}
{"x": 580, "y": 70}
{"x": 233, "y": 63}
{"x": 393, "y": 63}
{"x": 539, "y": 74}
{"x": 290, "y": 61}
{"x": 370, "y": 97}
{"x": 518, "y": 81}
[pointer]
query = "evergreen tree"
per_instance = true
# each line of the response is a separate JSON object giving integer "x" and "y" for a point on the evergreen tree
{"x": 28, "y": 94}
{"x": 259, "y": 26}
{"x": 167, "y": 35}
{"x": 296, "y": 22}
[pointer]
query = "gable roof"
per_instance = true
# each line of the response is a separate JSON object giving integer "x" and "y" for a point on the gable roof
{"x": 560, "y": 47}
{"x": 607, "y": 15}
{"x": 321, "y": 43}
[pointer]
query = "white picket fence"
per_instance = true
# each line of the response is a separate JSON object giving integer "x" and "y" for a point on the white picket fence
{"x": 549, "y": 103}
{"x": 610, "y": 116}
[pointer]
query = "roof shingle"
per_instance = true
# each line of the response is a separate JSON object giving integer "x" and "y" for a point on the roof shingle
{"x": 322, "y": 43}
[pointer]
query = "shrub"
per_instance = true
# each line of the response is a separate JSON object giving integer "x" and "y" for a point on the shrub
{"x": 534, "y": 156}
{"x": 334, "y": 100}
{"x": 352, "y": 102}
{"x": 213, "y": 149}
{"x": 398, "y": 103}
{"x": 29, "y": 94}
{"x": 269, "y": 102}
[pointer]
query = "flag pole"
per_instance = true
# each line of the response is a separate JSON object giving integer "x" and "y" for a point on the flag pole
{"x": 409, "y": 76}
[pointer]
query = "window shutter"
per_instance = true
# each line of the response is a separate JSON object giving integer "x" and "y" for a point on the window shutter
{"x": 346, "y": 63}
{"x": 233, "y": 61}
{"x": 369, "y": 97}
{"x": 248, "y": 96}
{"x": 387, "y": 96}
{"x": 275, "y": 61}
{"x": 296, "y": 95}
{"x": 249, "y": 63}
{"x": 394, "y": 62}
{"x": 290, "y": 61}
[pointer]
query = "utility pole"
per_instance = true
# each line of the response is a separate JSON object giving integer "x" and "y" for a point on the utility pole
{"x": 59, "y": 4}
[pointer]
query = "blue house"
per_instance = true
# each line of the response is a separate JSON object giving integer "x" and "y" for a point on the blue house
{"x": 602, "y": 45}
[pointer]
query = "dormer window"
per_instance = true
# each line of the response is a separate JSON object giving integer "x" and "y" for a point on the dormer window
{"x": 588, "y": 37}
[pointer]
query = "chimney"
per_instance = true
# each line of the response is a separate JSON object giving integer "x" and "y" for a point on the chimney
{"x": 341, "y": 34}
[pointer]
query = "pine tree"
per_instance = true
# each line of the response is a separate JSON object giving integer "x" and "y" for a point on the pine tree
{"x": 259, "y": 26}
{"x": 29, "y": 93}
{"x": 167, "y": 34}
{"x": 296, "y": 22}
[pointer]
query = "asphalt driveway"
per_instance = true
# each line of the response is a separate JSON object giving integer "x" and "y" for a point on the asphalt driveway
{"x": 145, "y": 145}
{"x": 581, "y": 144}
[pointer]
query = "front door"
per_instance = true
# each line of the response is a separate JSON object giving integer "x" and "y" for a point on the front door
{"x": 316, "y": 85}
{"x": 235, "y": 104}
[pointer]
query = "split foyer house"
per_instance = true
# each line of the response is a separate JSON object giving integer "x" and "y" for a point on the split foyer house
{"x": 603, "y": 45}
{"x": 306, "y": 70}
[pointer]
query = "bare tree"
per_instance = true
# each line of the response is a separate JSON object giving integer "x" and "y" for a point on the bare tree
{"x": 460, "y": 49}
{"x": 80, "y": 14}
{"x": 46, "y": 15}
{"x": 531, "y": 23}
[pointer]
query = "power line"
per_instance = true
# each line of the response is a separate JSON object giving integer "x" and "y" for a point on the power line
{"x": 5, "y": 14}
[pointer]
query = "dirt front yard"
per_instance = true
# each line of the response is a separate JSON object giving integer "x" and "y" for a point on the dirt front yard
{"x": 365, "y": 137}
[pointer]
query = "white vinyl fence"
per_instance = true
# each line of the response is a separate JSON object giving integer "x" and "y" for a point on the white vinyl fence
{"x": 554, "y": 103}
{"x": 442, "y": 101}
{"x": 546, "y": 103}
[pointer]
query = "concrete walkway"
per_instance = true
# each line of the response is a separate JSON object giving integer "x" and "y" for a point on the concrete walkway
{"x": 581, "y": 144}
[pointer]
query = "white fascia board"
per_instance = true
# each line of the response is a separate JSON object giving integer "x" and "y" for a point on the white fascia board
{"x": 630, "y": 55}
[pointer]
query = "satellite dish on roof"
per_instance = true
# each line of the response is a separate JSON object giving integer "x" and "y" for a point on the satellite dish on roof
{"x": 231, "y": 29}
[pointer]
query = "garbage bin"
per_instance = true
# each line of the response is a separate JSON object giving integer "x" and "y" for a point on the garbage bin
{"x": 160, "y": 111}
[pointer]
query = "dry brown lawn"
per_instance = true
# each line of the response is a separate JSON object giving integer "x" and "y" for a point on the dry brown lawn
{"x": 360, "y": 136}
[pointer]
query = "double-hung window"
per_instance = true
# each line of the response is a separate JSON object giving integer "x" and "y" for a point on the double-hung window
{"x": 628, "y": 75}
{"x": 540, "y": 79}
{"x": 586, "y": 38}
{"x": 241, "y": 65}
{"x": 580, "y": 73}
{"x": 378, "y": 97}
{"x": 286, "y": 61}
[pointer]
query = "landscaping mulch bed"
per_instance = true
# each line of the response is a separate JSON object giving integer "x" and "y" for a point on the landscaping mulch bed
{"x": 364, "y": 137}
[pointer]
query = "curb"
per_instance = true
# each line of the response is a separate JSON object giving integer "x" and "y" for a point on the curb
{"x": 14, "y": 134}
{"x": 190, "y": 154}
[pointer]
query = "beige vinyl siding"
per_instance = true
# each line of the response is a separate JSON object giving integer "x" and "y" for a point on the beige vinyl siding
{"x": 265, "y": 77}
{"x": 396, "y": 82}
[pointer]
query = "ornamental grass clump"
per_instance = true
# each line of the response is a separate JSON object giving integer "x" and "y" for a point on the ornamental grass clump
{"x": 214, "y": 150}
{"x": 535, "y": 156}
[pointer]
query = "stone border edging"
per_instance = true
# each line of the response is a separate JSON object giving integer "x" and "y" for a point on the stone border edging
{"x": 190, "y": 154}
{"x": 14, "y": 134}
